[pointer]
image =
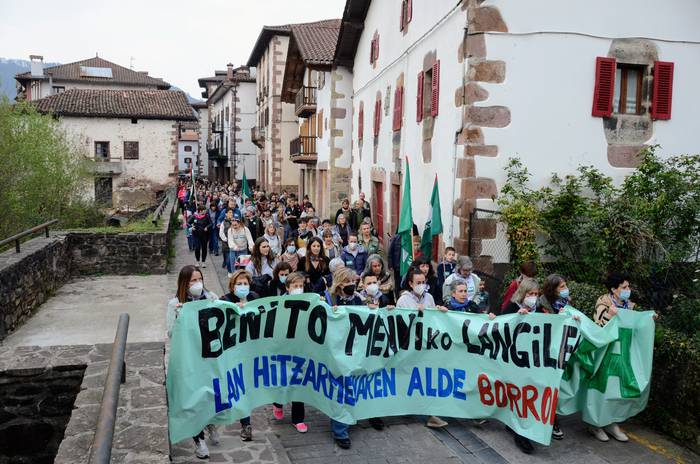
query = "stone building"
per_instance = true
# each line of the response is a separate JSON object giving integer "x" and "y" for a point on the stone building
{"x": 275, "y": 122}
{"x": 92, "y": 73}
{"x": 133, "y": 136}
{"x": 458, "y": 87}
{"x": 322, "y": 96}
{"x": 231, "y": 103}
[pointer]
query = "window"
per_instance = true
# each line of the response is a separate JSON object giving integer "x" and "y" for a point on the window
{"x": 406, "y": 13}
{"x": 101, "y": 150}
{"x": 188, "y": 148}
{"x": 377, "y": 116}
{"x": 361, "y": 121}
{"x": 131, "y": 150}
{"x": 58, "y": 89}
{"x": 628, "y": 89}
{"x": 374, "y": 49}
{"x": 398, "y": 108}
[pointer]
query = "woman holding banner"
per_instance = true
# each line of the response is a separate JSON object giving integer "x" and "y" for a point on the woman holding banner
{"x": 239, "y": 293}
{"x": 190, "y": 287}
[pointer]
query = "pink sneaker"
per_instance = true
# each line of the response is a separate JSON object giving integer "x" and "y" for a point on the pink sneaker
{"x": 277, "y": 412}
{"x": 301, "y": 427}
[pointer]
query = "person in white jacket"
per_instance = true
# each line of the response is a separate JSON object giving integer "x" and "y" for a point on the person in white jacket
{"x": 238, "y": 238}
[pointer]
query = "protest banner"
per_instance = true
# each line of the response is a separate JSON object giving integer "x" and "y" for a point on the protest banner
{"x": 354, "y": 363}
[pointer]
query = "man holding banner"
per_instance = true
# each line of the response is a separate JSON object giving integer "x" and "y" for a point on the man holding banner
{"x": 354, "y": 363}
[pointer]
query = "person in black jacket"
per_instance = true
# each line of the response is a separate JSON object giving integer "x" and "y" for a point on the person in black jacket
{"x": 201, "y": 230}
{"x": 253, "y": 223}
{"x": 239, "y": 293}
{"x": 278, "y": 286}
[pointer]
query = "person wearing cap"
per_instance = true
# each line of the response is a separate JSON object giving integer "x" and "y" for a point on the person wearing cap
{"x": 238, "y": 238}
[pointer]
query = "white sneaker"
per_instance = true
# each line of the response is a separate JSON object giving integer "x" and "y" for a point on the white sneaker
{"x": 614, "y": 430}
{"x": 201, "y": 450}
{"x": 229, "y": 275}
{"x": 197, "y": 263}
{"x": 213, "y": 434}
{"x": 204, "y": 265}
{"x": 435, "y": 422}
{"x": 599, "y": 433}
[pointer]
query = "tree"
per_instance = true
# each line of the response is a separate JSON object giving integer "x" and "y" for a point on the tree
{"x": 42, "y": 173}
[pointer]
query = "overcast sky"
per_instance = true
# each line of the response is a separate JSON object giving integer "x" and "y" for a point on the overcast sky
{"x": 177, "y": 40}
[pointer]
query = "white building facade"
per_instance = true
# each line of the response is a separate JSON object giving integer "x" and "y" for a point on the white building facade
{"x": 570, "y": 85}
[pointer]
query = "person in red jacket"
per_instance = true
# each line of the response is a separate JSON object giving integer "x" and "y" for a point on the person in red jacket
{"x": 527, "y": 269}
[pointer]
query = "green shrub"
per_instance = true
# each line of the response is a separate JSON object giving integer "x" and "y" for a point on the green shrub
{"x": 674, "y": 402}
{"x": 584, "y": 296}
{"x": 683, "y": 315}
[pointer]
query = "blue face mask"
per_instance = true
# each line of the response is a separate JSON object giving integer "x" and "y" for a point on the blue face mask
{"x": 242, "y": 291}
{"x": 283, "y": 279}
{"x": 564, "y": 293}
{"x": 625, "y": 294}
{"x": 291, "y": 249}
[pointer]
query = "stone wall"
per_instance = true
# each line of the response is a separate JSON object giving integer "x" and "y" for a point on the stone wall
{"x": 141, "y": 429}
{"x": 122, "y": 254}
{"x": 28, "y": 279}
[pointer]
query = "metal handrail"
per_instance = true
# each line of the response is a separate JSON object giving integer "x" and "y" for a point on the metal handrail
{"x": 161, "y": 208}
{"x": 17, "y": 237}
{"x": 101, "y": 451}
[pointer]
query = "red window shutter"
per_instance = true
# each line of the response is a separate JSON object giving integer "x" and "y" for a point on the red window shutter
{"x": 377, "y": 116}
{"x": 419, "y": 97}
{"x": 436, "y": 89}
{"x": 403, "y": 16}
{"x": 361, "y": 122}
{"x": 604, "y": 92}
{"x": 376, "y": 52}
{"x": 663, "y": 90}
{"x": 409, "y": 11}
{"x": 371, "y": 52}
{"x": 400, "y": 106}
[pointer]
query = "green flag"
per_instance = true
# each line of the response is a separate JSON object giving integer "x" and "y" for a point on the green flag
{"x": 433, "y": 226}
{"x": 406, "y": 224}
{"x": 246, "y": 188}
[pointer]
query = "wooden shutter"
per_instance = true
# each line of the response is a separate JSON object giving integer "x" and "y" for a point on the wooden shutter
{"x": 436, "y": 89}
{"x": 419, "y": 97}
{"x": 371, "y": 52}
{"x": 604, "y": 92}
{"x": 361, "y": 122}
{"x": 402, "y": 19}
{"x": 663, "y": 90}
{"x": 376, "y": 49}
{"x": 398, "y": 108}
{"x": 409, "y": 11}
{"x": 377, "y": 116}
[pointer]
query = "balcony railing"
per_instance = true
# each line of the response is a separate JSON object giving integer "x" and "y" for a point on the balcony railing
{"x": 303, "y": 150}
{"x": 305, "y": 102}
{"x": 107, "y": 166}
{"x": 257, "y": 135}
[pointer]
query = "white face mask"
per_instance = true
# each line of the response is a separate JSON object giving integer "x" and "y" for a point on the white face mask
{"x": 419, "y": 289}
{"x": 530, "y": 302}
{"x": 296, "y": 291}
{"x": 196, "y": 289}
{"x": 372, "y": 289}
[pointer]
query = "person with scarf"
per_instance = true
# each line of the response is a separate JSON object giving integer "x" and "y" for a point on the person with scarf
{"x": 555, "y": 294}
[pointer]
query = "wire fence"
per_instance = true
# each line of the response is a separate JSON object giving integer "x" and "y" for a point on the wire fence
{"x": 655, "y": 285}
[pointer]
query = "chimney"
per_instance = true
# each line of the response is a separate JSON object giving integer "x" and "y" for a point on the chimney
{"x": 37, "y": 65}
{"x": 229, "y": 72}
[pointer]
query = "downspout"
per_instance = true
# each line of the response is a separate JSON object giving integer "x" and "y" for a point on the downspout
{"x": 457, "y": 134}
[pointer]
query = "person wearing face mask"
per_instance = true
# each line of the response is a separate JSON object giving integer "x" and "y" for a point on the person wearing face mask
{"x": 290, "y": 255}
{"x": 238, "y": 239}
{"x": 464, "y": 273}
{"x": 278, "y": 285}
{"x": 375, "y": 266}
{"x": 371, "y": 294}
{"x": 201, "y": 231}
{"x": 240, "y": 293}
{"x": 524, "y": 301}
{"x": 354, "y": 256}
{"x": 294, "y": 285}
{"x": 190, "y": 287}
{"x": 431, "y": 280}
{"x": 555, "y": 294}
{"x": 343, "y": 227}
{"x": 415, "y": 295}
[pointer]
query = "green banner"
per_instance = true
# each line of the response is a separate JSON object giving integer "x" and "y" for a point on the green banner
{"x": 354, "y": 363}
{"x": 608, "y": 379}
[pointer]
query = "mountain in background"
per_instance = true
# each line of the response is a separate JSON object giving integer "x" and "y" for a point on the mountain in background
{"x": 9, "y": 67}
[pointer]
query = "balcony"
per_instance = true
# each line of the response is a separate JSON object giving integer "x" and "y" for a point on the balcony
{"x": 303, "y": 150}
{"x": 107, "y": 166}
{"x": 215, "y": 152}
{"x": 257, "y": 135}
{"x": 305, "y": 102}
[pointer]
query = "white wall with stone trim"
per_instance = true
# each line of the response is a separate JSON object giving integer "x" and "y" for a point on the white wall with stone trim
{"x": 140, "y": 179}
